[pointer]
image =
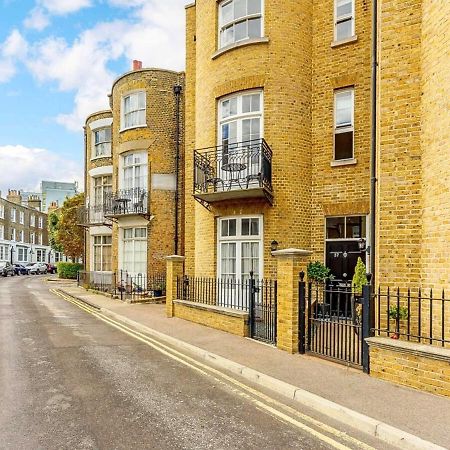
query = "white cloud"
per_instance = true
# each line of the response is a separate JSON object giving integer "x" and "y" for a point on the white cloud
{"x": 24, "y": 168}
{"x": 62, "y": 7}
{"x": 154, "y": 34}
{"x": 13, "y": 49}
{"x": 37, "y": 20}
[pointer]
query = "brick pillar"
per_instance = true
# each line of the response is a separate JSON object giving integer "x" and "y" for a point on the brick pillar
{"x": 174, "y": 270}
{"x": 289, "y": 263}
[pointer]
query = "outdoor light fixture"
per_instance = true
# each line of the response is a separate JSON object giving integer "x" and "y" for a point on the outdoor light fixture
{"x": 362, "y": 244}
{"x": 274, "y": 246}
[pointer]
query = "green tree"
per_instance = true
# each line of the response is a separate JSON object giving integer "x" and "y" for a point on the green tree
{"x": 53, "y": 225}
{"x": 70, "y": 235}
{"x": 317, "y": 271}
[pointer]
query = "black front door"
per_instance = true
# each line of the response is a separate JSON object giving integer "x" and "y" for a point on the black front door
{"x": 341, "y": 258}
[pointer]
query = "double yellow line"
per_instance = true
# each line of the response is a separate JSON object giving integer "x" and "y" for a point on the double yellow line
{"x": 282, "y": 412}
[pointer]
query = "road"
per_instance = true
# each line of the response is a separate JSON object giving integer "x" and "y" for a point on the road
{"x": 71, "y": 381}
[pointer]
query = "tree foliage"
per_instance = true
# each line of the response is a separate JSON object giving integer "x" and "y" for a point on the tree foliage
{"x": 359, "y": 278}
{"x": 53, "y": 225}
{"x": 69, "y": 235}
{"x": 317, "y": 271}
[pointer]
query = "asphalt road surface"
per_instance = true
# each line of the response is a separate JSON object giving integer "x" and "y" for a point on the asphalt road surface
{"x": 71, "y": 381}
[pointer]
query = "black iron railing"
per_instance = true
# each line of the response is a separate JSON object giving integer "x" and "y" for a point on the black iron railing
{"x": 127, "y": 201}
{"x": 92, "y": 215}
{"x": 241, "y": 165}
{"x": 257, "y": 297}
{"x": 124, "y": 285}
{"x": 415, "y": 315}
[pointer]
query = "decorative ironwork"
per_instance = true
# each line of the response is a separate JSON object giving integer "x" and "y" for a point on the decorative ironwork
{"x": 92, "y": 216}
{"x": 127, "y": 201}
{"x": 233, "y": 166}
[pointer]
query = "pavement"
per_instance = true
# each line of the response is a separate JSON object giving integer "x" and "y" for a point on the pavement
{"x": 397, "y": 415}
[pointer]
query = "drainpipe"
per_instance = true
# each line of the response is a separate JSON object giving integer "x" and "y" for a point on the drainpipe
{"x": 177, "y": 92}
{"x": 373, "y": 140}
{"x": 85, "y": 193}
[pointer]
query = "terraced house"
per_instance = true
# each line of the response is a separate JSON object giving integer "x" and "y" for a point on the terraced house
{"x": 133, "y": 214}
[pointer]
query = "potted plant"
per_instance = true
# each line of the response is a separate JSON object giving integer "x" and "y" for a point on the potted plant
{"x": 358, "y": 281}
{"x": 397, "y": 313}
{"x": 158, "y": 289}
{"x": 318, "y": 272}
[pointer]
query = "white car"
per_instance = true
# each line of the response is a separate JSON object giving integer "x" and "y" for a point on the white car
{"x": 37, "y": 268}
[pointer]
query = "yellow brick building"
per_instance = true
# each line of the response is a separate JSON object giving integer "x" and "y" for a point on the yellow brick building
{"x": 134, "y": 213}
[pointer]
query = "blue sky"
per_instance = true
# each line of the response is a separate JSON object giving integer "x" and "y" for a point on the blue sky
{"x": 58, "y": 59}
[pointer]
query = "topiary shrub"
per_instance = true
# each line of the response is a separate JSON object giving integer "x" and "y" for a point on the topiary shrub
{"x": 68, "y": 270}
{"x": 317, "y": 271}
{"x": 359, "y": 278}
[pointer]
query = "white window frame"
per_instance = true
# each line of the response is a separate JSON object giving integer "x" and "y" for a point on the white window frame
{"x": 21, "y": 217}
{"x": 133, "y": 240}
{"x": 40, "y": 222}
{"x": 240, "y": 116}
{"x": 22, "y": 254}
{"x": 100, "y": 145}
{"x": 32, "y": 220}
{"x": 123, "y": 166}
{"x": 222, "y": 26}
{"x": 32, "y": 237}
{"x": 344, "y": 128}
{"x": 239, "y": 239}
{"x": 2, "y": 211}
{"x": 13, "y": 214}
{"x": 100, "y": 247}
{"x": 344, "y": 18}
{"x": 40, "y": 255}
{"x": 124, "y": 114}
{"x": 2, "y": 231}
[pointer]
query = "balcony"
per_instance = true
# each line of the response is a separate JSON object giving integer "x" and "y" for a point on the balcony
{"x": 241, "y": 170}
{"x": 133, "y": 201}
{"x": 91, "y": 216}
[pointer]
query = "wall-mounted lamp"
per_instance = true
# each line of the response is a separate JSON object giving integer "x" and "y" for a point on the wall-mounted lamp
{"x": 362, "y": 246}
{"x": 273, "y": 246}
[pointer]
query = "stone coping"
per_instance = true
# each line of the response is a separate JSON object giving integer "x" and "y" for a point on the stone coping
{"x": 412, "y": 348}
{"x": 175, "y": 258}
{"x": 212, "y": 308}
{"x": 289, "y": 252}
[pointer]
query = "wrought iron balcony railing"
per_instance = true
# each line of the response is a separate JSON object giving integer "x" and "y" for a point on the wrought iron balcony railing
{"x": 127, "y": 201}
{"x": 237, "y": 170}
{"x": 93, "y": 215}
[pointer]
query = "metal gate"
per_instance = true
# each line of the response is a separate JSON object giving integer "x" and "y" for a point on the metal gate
{"x": 263, "y": 310}
{"x": 334, "y": 323}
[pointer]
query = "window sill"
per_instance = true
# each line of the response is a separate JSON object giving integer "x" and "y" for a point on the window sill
{"x": 101, "y": 157}
{"x": 132, "y": 128}
{"x": 261, "y": 40}
{"x": 343, "y": 162}
{"x": 349, "y": 40}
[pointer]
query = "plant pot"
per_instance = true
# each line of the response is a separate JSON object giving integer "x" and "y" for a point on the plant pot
{"x": 157, "y": 292}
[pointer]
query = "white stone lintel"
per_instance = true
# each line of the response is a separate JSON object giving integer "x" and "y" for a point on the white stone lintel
{"x": 291, "y": 253}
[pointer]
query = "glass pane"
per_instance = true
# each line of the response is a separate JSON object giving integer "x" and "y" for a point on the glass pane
{"x": 108, "y": 134}
{"x": 225, "y": 108}
{"x": 245, "y": 227}
{"x": 344, "y": 108}
{"x": 226, "y": 12}
{"x": 254, "y": 230}
{"x": 141, "y": 100}
{"x": 343, "y": 7}
{"x": 246, "y": 103}
{"x": 254, "y": 6}
{"x": 254, "y": 28}
{"x": 335, "y": 228}
{"x": 356, "y": 227}
{"x": 224, "y": 226}
{"x": 246, "y": 133}
{"x": 232, "y": 227}
{"x": 240, "y": 8}
{"x": 240, "y": 31}
{"x": 344, "y": 29}
{"x": 227, "y": 35}
{"x": 343, "y": 145}
{"x": 255, "y": 129}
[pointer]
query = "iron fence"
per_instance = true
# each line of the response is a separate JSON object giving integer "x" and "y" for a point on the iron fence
{"x": 239, "y": 165}
{"x": 416, "y": 315}
{"x": 124, "y": 285}
{"x": 93, "y": 215}
{"x": 255, "y": 296}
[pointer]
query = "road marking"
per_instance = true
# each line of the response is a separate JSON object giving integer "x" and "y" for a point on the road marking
{"x": 239, "y": 388}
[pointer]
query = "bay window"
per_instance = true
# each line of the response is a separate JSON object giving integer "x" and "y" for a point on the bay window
{"x": 343, "y": 124}
{"x": 102, "y": 188}
{"x": 102, "y": 142}
{"x": 239, "y": 20}
{"x": 134, "y": 170}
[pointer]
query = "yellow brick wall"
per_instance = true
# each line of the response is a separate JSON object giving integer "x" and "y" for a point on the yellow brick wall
{"x": 399, "y": 154}
{"x": 158, "y": 139}
{"x": 342, "y": 190}
{"x": 230, "y": 324}
{"x": 282, "y": 67}
{"x": 435, "y": 141}
{"x": 419, "y": 372}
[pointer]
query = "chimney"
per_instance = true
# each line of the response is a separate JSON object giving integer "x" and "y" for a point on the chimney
{"x": 34, "y": 202}
{"x": 137, "y": 65}
{"x": 14, "y": 196}
{"x": 53, "y": 207}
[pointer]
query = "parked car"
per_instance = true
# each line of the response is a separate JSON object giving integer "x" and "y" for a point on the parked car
{"x": 51, "y": 268}
{"x": 28, "y": 267}
{"x": 37, "y": 268}
{"x": 20, "y": 269}
{"x": 6, "y": 269}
